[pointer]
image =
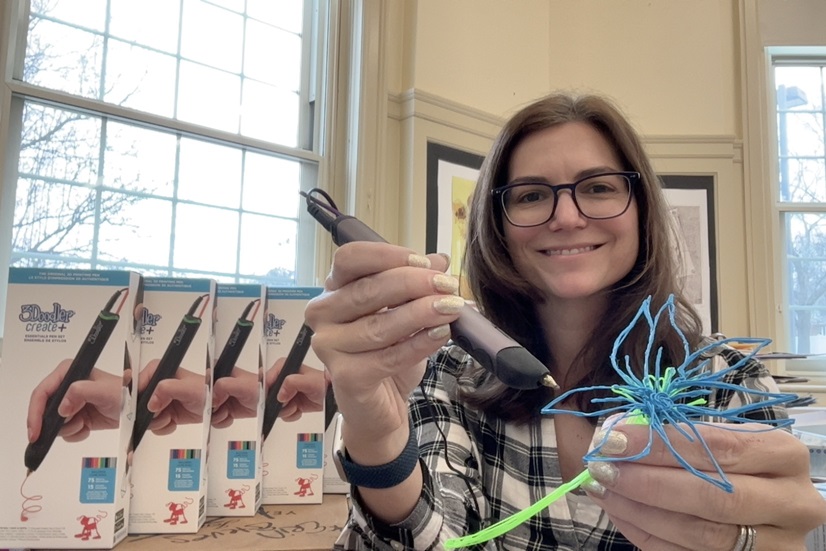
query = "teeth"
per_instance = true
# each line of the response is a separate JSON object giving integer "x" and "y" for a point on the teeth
{"x": 566, "y": 252}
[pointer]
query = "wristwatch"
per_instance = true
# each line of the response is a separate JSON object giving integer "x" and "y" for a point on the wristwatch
{"x": 378, "y": 476}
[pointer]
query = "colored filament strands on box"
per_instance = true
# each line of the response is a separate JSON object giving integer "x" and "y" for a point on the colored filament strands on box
{"x": 28, "y": 507}
{"x": 676, "y": 396}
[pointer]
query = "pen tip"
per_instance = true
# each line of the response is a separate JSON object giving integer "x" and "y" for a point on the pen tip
{"x": 549, "y": 381}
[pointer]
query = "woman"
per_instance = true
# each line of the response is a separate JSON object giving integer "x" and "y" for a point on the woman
{"x": 568, "y": 235}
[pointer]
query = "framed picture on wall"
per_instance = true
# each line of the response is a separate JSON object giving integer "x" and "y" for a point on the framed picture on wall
{"x": 451, "y": 178}
{"x": 691, "y": 201}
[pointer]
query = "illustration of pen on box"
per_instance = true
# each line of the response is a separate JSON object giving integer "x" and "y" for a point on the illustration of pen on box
{"x": 272, "y": 407}
{"x": 80, "y": 369}
{"x": 168, "y": 366}
{"x": 235, "y": 343}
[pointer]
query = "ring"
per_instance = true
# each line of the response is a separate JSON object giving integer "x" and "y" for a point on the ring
{"x": 746, "y": 539}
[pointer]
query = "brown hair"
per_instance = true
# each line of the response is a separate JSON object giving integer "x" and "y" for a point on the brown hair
{"x": 508, "y": 300}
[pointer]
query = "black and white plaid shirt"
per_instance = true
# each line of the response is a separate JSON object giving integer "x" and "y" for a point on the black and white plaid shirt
{"x": 507, "y": 467}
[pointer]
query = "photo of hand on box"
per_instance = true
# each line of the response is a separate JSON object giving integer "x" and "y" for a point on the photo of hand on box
{"x": 178, "y": 400}
{"x": 90, "y": 404}
{"x": 300, "y": 392}
{"x": 235, "y": 397}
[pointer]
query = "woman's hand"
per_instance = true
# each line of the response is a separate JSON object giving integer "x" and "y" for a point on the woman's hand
{"x": 178, "y": 400}
{"x": 235, "y": 397}
{"x": 383, "y": 312}
{"x": 659, "y": 505}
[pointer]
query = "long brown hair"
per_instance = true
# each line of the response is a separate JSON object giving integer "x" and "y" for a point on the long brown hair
{"x": 509, "y": 301}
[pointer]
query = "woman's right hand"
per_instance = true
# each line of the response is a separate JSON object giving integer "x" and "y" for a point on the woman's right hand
{"x": 383, "y": 311}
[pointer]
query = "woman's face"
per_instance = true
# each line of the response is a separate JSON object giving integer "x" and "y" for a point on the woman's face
{"x": 570, "y": 256}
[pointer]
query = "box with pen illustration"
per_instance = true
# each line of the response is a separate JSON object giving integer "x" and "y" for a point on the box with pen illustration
{"x": 71, "y": 346}
{"x": 173, "y": 409}
{"x": 235, "y": 470}
{"x": 293, "y": 448}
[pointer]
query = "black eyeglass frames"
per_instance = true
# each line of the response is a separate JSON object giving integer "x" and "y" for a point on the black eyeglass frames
{"x": 598, "y": 197}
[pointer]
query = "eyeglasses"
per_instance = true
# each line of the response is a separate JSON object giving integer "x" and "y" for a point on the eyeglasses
{"x": 597, "y": 197}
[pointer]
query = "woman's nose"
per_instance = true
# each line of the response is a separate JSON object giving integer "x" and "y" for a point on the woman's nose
{"x": 566, "y": 213}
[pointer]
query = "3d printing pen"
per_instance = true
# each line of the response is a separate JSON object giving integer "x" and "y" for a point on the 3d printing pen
{"x": 235, "y": 341}
{"x": 272, "y": 407}
{"x": 168, "y": 366}
{"x": 80, "y": 369}
{"x": 505, "y": 358}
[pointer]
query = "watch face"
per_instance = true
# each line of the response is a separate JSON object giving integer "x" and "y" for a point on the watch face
{"x": 338, "y": 447}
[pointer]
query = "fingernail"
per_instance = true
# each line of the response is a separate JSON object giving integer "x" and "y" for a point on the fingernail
{"x": 439, "y": 332}
{"x": 611, "y": 442}
{"x": 446, "y": 257}
{"x": 449, "y": 305}
{"x": 594, "y": 488}
{"x": 418, "y": 261}
{"x": 603, "y": 471}
{"x": 31, "y": 432}
{"x": 446, "y": 284}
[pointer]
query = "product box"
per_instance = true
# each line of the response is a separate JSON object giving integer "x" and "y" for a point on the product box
{"x": 235, "y": 469}
{"x": 66, "y": 395}
{"x": 174, "y": 403}
{"x": 293, "y": 449}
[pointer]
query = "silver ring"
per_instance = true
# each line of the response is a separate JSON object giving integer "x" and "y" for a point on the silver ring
{"x": 746, "y": 539}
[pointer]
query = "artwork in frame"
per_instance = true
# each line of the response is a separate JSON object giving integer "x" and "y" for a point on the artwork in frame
{"x": 451, "y": 178}
{"x": 691, "y": 202}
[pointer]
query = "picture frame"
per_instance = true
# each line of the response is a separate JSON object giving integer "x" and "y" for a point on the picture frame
{"x": 691, "y": 198}
{"x": 451, "y": 177}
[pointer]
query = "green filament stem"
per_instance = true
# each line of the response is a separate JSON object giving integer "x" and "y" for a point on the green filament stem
{"x": 511, "y": 522}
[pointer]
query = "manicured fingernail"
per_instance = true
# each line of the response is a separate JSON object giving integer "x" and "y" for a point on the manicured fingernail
{"x": 594, "y": 488}
{"x": 446, "y": 257}
{"x": 418, "y": 261}
{"x": 449, "y": 305}
{"x": 603, "y": 471}
{"x": 613, "y": 442}
{"x": 446, "y": 284}
{"x": 31, "y": 432}
{"x": 439, "y": 332}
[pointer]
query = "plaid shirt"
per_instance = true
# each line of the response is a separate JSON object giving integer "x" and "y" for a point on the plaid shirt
{"x": 507, "y": 467}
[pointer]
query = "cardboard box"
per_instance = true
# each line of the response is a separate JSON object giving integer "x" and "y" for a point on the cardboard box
{"x": 71, "y": 340}
{"x": 293, "y": 450}
{"x": 235, "y": 470}
{"x": 173, "y": 407}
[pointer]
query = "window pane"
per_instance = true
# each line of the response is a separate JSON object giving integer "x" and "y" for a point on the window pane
{"x": 273, "y": 256}
{"x": 54, "y": 219}
{"x": 209, "y": 97}
{"x": 282, "y": 69}
{"x": 152, "y": 23}
{"x": 270, "y": 114}
{"x": 271, "y": 185}
{"x": 139, "y": 233}
{"x": 806, "y": 180}
{"x": 139, "y": 159}
{"x": 806, "y": 261}
{"x": 286, "y": 14}
{"x": 800, "y": 88}
{"x": 212, "y": 35}
{"x": 210, "y": 173}
{"x": 63, "y": 58}
{"x": 82, "y": 13}
{"x": 59, "y": 144}
{"x": 206, "y": 238}
{"x": 140, "y": 79}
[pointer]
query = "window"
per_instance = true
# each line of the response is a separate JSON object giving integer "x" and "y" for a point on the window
{"x": 169, "y": 136}
{"x": 800, "y": 85}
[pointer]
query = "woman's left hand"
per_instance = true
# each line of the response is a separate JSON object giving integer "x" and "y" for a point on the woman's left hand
{"x": 659, "y": 505}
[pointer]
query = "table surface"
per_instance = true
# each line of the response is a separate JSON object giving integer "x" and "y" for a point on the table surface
{"x": 274, "y": 527}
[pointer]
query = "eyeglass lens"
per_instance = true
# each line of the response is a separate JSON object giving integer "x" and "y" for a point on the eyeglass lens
{"x": 600, "y": 196}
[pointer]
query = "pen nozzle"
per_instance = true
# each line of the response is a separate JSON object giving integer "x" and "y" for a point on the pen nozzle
{"x": 194, "y": 307}
{"x": 549, "y": 381}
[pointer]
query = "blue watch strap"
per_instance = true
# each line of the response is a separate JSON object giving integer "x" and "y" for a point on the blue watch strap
{"x": 382, "y": 476}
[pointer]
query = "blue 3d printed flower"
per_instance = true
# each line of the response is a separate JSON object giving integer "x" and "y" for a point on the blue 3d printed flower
{"x": 676, "y": 396}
